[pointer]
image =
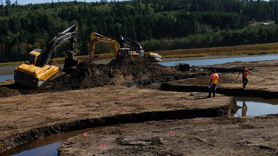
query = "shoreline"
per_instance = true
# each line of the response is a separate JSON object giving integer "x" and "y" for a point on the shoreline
{"x": 9, "y": 70}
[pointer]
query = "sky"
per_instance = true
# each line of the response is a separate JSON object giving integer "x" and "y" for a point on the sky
{"x": 24, "y": 2}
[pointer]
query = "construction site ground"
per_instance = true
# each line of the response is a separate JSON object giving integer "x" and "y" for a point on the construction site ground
{"x": 144, "y": 121}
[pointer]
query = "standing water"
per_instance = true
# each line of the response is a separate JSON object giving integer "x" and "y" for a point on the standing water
{"x": 255, "y": 107}
{"x": 6, "y": 77}
{"x": 47, "y": 146}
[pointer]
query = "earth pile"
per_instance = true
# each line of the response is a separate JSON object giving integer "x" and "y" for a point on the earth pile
{"x": 133, "y": 70}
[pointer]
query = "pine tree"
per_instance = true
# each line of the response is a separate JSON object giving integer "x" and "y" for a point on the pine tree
{"x": 8, "y": 3}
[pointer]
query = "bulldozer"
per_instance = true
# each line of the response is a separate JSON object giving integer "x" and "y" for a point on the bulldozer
{"x": 153, "y": 57}
{"x": 38, "y": 67}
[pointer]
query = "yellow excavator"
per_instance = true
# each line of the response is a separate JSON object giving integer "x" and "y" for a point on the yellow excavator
{"x": 121, "y": 50}
{"x": 96, "y": 37}
{"x": 153, "y": 57}
{"x": 38, "y": 67}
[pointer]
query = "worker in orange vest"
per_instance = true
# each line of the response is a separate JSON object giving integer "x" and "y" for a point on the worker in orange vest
{"x": 244, "y": 73}
{"x": 214, "y": 78}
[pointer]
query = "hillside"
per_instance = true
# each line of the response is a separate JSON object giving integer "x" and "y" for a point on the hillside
{"x": 161, "y": 24}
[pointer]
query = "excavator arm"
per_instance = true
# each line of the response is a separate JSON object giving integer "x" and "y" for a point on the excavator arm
{"x": 96, "y": 37}
{"x": 49, "y": 54}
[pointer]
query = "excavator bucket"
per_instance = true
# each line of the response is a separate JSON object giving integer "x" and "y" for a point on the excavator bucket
{"x": 70, "y": 60}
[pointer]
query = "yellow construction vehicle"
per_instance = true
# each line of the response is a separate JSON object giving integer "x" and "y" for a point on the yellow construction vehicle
{"x": 38, "y": 67}
{"x": 96, "y": 37}
{"x": 154, "y": 57}
{"x": 121, "y": 50}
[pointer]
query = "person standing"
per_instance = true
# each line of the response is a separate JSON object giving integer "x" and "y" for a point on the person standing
{"x": 214, "y": 78}
{"x": 244, "y": 73}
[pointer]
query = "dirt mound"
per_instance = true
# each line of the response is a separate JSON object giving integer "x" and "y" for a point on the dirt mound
{"x": 127, "y": 70}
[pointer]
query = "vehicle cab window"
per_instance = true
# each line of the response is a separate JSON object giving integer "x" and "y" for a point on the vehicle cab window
{"x": 30, "y": 59}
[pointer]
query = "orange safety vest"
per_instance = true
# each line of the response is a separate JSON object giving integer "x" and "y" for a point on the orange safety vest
{"x": 215, "y": 78}
{"x": 245, "y": 72}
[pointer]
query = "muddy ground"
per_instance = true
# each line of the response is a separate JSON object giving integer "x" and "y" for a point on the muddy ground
{"x": 198, "y": 136}
{"x": 99, "y": 95}
{"x": 125, "y": 71}
{"x": 262, "y": 81}
{"x": 28, "y": 117}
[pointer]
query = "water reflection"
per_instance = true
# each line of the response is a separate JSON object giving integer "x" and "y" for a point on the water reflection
{"x": 243, "y": 109}
{"x": 254, "y": 107}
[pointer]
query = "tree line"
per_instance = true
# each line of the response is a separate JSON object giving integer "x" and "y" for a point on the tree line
{"x": 180, "y": 23}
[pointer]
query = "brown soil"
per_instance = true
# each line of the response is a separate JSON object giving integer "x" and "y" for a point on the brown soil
{"x": 29, "y": 117}
{"x": 125, "y": 71}
{"x": 262, "y": 82}
{"x": 200, "y": 136}
{"x": 82, "y": 99}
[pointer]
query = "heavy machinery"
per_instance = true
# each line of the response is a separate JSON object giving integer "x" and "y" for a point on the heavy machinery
{"x": 154, "y": 57}
{"x": 96, "y": 37}
{"x": 38, "y": 67}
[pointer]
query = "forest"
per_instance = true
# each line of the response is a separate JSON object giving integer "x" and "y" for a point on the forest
{"x": 157, "y": 24}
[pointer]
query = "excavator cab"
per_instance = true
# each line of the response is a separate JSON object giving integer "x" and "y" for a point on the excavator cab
{"x": 33, "y": 57}
{"x": 125, "y": 51}
{"x": 30, "y": 59}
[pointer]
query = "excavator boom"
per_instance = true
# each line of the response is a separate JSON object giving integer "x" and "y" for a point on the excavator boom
{"x": 96, "y": 37}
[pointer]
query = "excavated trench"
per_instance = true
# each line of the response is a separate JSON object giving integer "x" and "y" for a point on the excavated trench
{"x": 35, "y": 134}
